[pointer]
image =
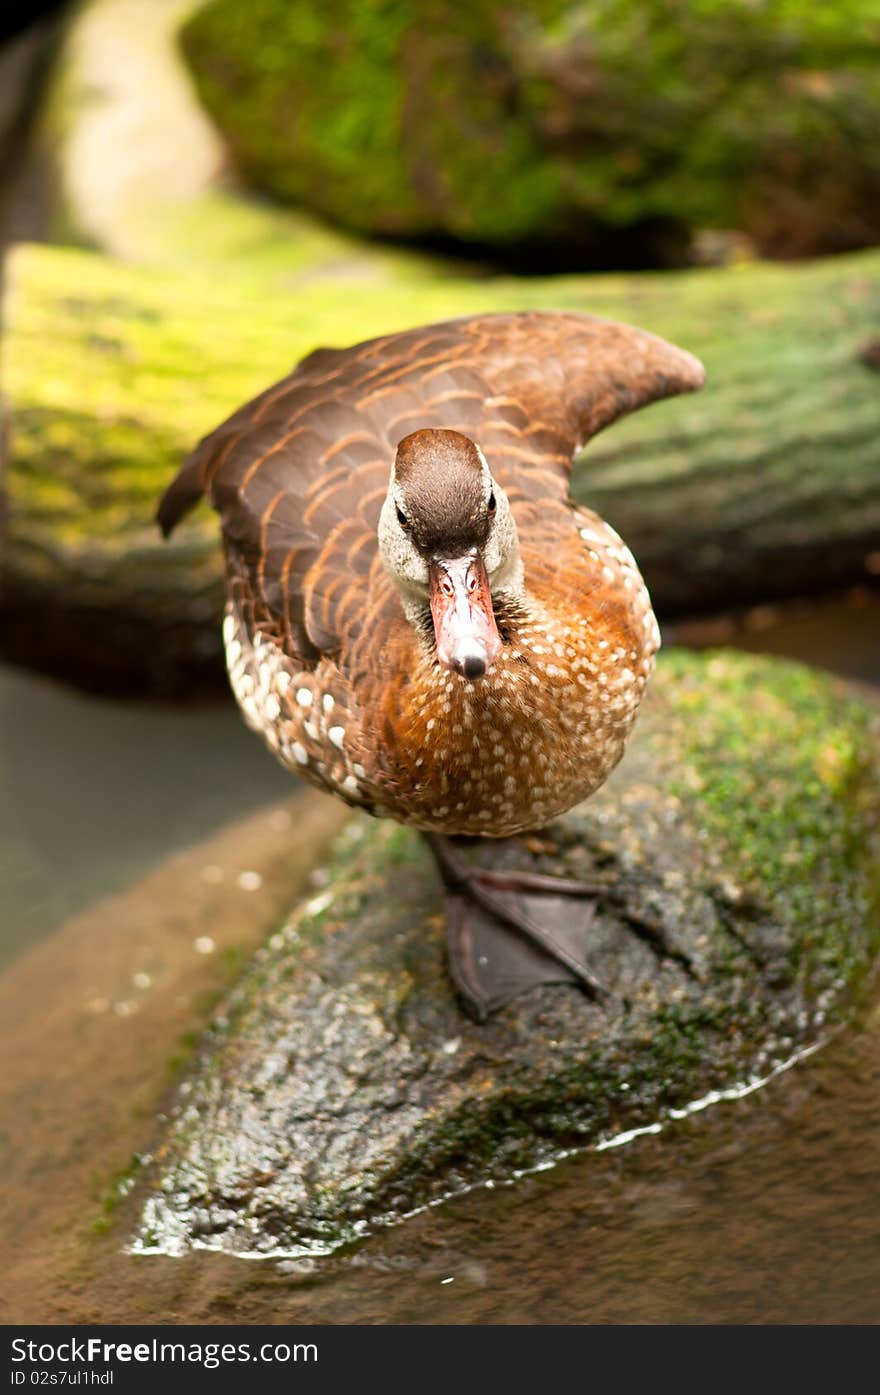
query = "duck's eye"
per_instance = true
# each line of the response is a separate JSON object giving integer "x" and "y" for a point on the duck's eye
{"x": 402, "y": 519}
{"x": 492, "y": 502}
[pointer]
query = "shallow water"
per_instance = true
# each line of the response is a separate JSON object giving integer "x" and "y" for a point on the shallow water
{"x": 93, "y": 792}
{"x": 764, "y": 1209}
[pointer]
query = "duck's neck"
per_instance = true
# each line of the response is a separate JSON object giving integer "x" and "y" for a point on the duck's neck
{"x": 515, "y": 748}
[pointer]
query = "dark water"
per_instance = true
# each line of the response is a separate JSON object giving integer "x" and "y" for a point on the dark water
{"x": 841, "y": 634}
{"x": 756, "y": 1210}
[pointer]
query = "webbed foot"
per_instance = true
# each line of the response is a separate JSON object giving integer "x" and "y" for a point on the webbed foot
{"x": 509, "y": 931}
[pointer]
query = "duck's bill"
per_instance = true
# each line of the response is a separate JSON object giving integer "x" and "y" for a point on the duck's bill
{"x": 467, "y": 637}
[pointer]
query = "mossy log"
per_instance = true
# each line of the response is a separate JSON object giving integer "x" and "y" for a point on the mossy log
{"x": 612, "y": 129}
{"x": 341, "y": 1086}
{"x": 767, "y": 483}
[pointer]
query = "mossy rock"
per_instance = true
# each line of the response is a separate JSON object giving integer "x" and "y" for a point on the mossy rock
{"x": 614, "y": 127}
{"x": 764, "y": 484}
{"x": 341, "y": 1085}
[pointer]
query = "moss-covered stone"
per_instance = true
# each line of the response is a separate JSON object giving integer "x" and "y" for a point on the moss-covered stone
{"x": 764, "y": 484}
{"x": 588, "y": 123}
{"x": 341, "y": 1085}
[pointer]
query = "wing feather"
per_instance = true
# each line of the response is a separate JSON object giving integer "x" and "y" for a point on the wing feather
{"x": 298, "y": 475}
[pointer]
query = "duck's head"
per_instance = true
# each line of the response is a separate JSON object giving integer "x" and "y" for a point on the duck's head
{"x": 448, "y": 539}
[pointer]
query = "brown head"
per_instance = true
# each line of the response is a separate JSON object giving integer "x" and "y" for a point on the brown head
{"x": 449, "y": 542}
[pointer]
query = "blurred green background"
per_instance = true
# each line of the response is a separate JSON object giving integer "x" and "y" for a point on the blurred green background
{"x": 613, "y": 129}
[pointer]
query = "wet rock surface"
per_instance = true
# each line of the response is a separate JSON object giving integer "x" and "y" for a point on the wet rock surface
{"x": 341, "y": 1085}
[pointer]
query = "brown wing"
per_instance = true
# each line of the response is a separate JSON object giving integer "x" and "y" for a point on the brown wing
{"x": 298, "y": 475}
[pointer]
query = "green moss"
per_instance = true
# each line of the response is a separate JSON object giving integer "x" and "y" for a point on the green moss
{"x": 108, "y": 1193}
{"x": 528, "y": 121}
{"x": 781, "y": 796}
{"x": 182, "y": 1058}
{"x": 330, "y": 127}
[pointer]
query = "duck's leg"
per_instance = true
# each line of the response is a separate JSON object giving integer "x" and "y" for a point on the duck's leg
{"x": 510, "y": 931}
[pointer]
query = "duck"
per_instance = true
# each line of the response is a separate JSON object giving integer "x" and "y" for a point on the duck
{"x": 421, "y": 621}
